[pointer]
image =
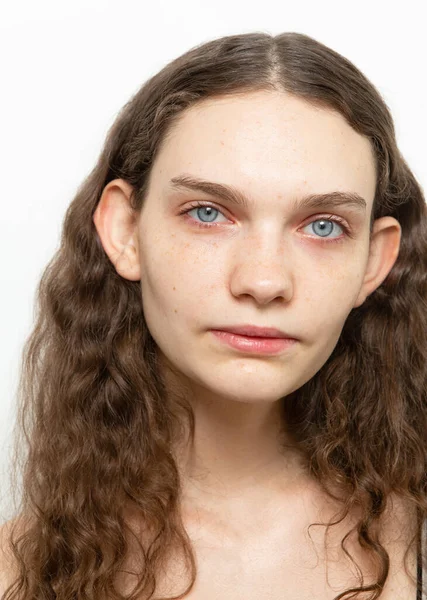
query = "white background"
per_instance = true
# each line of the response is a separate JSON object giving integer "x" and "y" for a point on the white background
{"x": 68, "y": 67}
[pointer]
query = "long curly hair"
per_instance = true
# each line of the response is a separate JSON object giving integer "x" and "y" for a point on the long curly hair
{"x": 96, "y": 423}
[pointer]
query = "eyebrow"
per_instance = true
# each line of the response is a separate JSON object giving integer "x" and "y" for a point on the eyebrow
{"x": 234, "y": 196}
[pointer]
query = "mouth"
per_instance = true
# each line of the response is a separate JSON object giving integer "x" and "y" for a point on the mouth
{"x": 254, "y": 344}
{"x": 253, "y": 331}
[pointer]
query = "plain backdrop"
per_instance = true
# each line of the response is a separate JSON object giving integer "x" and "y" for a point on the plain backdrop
{"x": 68, "y": 67}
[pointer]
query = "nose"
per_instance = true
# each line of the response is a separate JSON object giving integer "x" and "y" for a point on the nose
{"x": 262, "y": 269}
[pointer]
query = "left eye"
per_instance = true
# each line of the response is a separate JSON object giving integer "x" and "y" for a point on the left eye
{"x": 326, "y": 224}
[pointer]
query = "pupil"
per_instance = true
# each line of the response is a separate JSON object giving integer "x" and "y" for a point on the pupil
{"x": 208, "y": 209}
{"x": 323, "y": 226}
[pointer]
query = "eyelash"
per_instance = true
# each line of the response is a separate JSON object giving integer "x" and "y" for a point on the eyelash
{"x": 333, "y": 218}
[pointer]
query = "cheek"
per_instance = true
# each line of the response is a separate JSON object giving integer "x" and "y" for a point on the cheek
{"x": 330, "y": 294}
{"x": 178, "y": 275}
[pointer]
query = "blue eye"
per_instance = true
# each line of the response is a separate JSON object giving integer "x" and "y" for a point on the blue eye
{"x": 326, "y": 222}
{"x": 326, "y": 226}
{"x": 210, "y": 212}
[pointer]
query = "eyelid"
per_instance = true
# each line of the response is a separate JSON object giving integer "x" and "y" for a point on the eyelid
{"x": 348, "y": 230}
{"x": 200, "y": 204}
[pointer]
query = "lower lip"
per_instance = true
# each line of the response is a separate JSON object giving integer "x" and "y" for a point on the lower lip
{"x": 254, "y": 345}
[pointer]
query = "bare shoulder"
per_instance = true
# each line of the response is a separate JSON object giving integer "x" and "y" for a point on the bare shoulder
{"x": 399, "y": 527}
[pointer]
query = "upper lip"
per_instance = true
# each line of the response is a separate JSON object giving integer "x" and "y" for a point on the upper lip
{"x": 253, "y": 331}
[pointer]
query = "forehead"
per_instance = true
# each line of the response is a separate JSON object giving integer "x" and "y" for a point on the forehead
{"x": 269, "y": 140}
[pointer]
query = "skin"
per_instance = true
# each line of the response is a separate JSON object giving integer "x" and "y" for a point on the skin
{"x": 265, "y": 265}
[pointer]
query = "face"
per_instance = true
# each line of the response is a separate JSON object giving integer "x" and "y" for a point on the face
{"x": 270, "y": 263}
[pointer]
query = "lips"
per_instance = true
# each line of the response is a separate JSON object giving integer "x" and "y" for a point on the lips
{"x": 254, "y": 331}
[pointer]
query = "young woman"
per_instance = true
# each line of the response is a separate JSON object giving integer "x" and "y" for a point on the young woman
{"x": 224, "y": 393}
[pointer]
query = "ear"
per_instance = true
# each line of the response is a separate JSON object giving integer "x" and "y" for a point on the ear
{"x": 115, "y": 222}
{"x": 383, "y": 252}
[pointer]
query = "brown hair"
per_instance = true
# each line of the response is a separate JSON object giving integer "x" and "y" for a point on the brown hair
{"x": 92, "y": 403}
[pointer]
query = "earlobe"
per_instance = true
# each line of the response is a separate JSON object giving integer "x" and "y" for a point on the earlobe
{"x": 116, "y": 226}
{"x": 383, "y": 253}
